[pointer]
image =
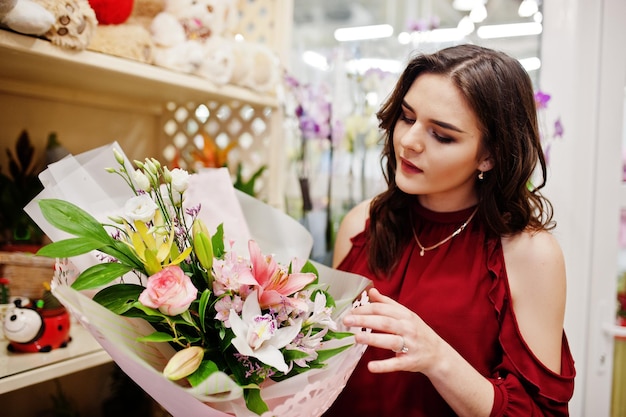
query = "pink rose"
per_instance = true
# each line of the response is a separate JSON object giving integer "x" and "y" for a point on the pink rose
{"x": 169, "y": 290}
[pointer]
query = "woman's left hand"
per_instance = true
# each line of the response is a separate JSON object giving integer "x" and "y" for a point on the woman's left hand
{"x": 398, "y": 329}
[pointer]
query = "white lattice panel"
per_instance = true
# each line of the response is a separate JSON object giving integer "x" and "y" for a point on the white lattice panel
{"x": 213, "y": 133}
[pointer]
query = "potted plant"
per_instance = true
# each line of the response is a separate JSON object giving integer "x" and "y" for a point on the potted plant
{"x": 17, "y": 188}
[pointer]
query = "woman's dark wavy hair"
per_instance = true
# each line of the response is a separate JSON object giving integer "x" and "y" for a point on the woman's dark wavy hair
{"x": 500, "y": 93}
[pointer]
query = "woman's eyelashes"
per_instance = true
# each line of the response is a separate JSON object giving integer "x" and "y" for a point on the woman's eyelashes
{"x": 410, "y": 118}
{"x": 440, "y": 138}
{"x": 406, "y": 118}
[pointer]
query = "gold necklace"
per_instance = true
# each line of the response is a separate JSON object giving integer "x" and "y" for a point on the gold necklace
{"x": 436, "y": 245}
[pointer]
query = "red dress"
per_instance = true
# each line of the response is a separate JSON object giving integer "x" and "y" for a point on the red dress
{"x": 461, "y": 290}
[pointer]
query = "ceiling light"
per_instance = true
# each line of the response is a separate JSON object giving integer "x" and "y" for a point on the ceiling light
{"x": 531, "y": 64}
{"x": 478, "y": 13}
{"x": 363, "y": 32}
{"x": 465, "y": 26}
{"x": 315, "y": 59}
{"x": 509, "y": 30}
{"x": 528, "y": 8}
{"x": 360, "y": 66}
{"x": 464, "y": 5}
{"x": 432, "y": 36}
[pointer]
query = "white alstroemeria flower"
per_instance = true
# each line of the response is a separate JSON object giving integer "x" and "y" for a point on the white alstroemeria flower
{"x": 140, "y": 180}
{"x": 321, "y": 314}
{"x": 258, "y": 335}
{"x": 180, "y": 179}
{"x": 141, "y": 208}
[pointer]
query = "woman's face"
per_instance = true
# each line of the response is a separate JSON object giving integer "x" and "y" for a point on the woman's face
{"x": 438, "y": 145}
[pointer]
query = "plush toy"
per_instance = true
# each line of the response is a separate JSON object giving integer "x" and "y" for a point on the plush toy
{"x": 181, "y": 32}
{"x": 25, "y": 17}
{"x": 75, "y": 22}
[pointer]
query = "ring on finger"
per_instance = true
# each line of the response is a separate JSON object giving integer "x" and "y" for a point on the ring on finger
{"x": 403, "y": 350}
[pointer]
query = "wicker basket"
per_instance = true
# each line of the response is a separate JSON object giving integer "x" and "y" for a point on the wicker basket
{"x": 26, "y": 273}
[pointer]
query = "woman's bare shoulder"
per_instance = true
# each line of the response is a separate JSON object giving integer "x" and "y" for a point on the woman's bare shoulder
{"x": 535, "y": 268}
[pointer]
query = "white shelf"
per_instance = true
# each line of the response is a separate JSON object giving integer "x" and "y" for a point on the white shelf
{"x": 19, "y": 370}
{"x": 35, "y": 62}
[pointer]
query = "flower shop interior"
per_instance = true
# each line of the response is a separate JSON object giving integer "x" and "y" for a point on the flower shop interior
{"x": 284, "y": 97}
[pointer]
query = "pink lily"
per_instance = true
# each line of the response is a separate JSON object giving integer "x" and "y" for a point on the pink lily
{"x": 274, "y": 283}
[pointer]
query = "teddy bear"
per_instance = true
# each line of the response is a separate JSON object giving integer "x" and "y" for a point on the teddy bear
{"x": 25, "y": 17}
{"x": 182, "y": 31}
{"x": 74, "y": 24}
{"x": 122, "y": 32}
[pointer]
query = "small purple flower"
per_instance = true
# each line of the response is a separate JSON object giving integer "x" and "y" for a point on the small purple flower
{"x": 558, "y": 128}
{"x": 542, "y": 99}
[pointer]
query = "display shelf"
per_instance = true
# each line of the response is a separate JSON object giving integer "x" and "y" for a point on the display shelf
{"x": 36, "y": 62}
{"x": 19, "y": 370}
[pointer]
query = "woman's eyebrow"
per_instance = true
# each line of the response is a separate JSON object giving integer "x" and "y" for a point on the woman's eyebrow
{"x": 439, "y": 123}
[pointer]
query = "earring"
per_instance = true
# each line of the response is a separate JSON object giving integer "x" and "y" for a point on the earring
{"x": 481, "y": 176}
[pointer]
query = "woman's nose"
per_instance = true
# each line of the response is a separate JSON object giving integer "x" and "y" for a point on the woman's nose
{"x": 413, "y": 139}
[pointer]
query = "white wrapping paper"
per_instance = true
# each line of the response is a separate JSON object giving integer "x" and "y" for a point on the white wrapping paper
{"x": 83, "y": 181}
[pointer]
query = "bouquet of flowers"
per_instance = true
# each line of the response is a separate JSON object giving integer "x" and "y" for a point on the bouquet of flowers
{"x": 243, "y": 333}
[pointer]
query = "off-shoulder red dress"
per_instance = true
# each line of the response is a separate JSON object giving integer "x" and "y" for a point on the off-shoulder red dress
{"x": 461, "y": 290}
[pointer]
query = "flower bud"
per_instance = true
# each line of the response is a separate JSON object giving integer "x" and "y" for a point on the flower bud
{"x": 116, "y": 219}
{"x": 118, "y": 156}
{"x": 138, "y": 164}
{"x": 156, "y": 163}
{"x": 150, "y": 167}
{"x": 110, "y": 170}
{"x": 140, "y": 180}
{"x": 167, "y": 175}
{"x": 183, "y": 363}
{"x": 202, "y": 245}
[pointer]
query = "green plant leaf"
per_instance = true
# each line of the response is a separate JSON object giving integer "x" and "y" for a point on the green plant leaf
{"x": 206, "y": 368}
{"x": 156, "y": 337}
{"x": 254, "y": 402}
{"x": 100, "y": 274}
{"x": 218, "y": 242}
{"x": 72, "y": 219}
{"x": 325, "y": 354}
{"x": 70, "y": 247}
{"x": 202, "y": 307}
{"x": 119, "y": 298}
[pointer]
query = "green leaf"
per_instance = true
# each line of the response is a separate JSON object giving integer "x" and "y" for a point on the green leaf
{"x": 337, "y": 335}
{"x": 325, "y": 354}
{"x": 70, "y": 247}
{"x": 218, "y": 242}
{"x": 100, "y": 274}
{"x": 119, "y": 298}
{"x": 206, "y": 368}
{"x": 156, "y": 337}
{"x": 71, "y": 219}
{"x": 204, "y": 303}
{"x": 254, "y": 402}
{"x": 294, "y": 354}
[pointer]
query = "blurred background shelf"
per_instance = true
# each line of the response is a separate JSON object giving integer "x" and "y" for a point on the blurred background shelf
{"x": 19, "y": 370}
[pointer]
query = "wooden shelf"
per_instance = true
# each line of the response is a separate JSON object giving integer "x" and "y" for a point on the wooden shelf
{"x": 33, "y": 62}
{"x": 19, "y": 370}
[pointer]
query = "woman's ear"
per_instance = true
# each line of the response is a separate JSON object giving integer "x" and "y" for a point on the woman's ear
{"x": 486, "y": 164}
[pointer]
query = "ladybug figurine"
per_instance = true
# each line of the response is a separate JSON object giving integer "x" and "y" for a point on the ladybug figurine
{"x": 36, "y": 328}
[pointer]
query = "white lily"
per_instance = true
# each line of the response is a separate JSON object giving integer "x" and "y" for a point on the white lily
{"x": 258, "y": 335}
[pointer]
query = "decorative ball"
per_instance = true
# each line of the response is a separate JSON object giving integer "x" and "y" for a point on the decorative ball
{"x": 112, "y": 12}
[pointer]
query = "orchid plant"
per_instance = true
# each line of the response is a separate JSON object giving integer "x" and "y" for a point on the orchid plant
{"x": 247, "y": 316}
{"x": 547, "y": 135}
